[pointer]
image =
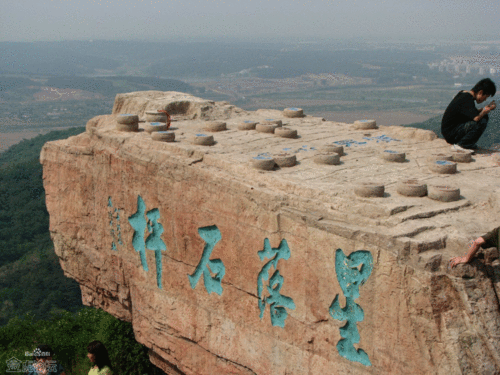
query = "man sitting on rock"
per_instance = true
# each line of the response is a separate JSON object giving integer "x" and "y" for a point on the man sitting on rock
{"x": 486, "y": 241}
{"x": 463, "y": 124}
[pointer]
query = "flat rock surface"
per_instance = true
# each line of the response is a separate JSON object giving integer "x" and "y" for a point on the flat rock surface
{"x": 333, "y": 186}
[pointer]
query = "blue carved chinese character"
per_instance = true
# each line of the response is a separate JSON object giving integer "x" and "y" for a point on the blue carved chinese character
{"x": 112, "y": 214}
{"x": 352, "y": 272}
{"x": 140, "y": 221}
{"x": 211, "y": 235}
{"x": 154, "y": 241}
{"x": 277, "y": 302}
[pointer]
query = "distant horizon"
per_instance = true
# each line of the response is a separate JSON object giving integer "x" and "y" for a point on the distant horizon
{"x": 260, "y": 20}
{"x": 285, "y": 39}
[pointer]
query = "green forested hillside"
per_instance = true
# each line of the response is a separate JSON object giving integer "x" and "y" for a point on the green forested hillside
{"x": 31, "y": 279}
{"x": 490, "y": 137}
{"x": 24, "y": 221}
{"x": 38, "y": 304}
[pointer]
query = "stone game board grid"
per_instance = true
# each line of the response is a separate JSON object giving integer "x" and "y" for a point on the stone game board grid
{"x": 234, "y": 149}
{"x": 361, "y": 147}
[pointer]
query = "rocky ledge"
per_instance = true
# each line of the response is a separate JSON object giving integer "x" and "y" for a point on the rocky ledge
{"x": 228, "y": 263}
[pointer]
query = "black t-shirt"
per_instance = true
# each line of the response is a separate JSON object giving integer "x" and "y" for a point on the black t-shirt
{"x": 491, "y": 239}
{"x": 460, "y": 110}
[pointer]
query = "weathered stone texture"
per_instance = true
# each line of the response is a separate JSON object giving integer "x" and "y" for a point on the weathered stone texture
{"x": 419, "y": 317}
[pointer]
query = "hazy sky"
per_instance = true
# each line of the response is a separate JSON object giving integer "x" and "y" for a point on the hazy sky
{"x": 35, "y": 20}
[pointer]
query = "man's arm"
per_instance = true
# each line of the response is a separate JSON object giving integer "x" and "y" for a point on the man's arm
{"x": 473, "y": 248}
{"x": 483, "y": 113}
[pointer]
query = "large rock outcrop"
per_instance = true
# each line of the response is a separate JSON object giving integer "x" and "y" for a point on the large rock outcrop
{"x": 225, "y": 269}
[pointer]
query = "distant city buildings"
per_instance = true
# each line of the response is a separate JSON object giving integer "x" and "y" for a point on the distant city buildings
{"x": 469, "y": 65}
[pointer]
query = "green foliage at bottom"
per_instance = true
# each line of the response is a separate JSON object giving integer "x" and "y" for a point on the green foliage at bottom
{"x": 69, "y": 334}
{"x": 36, "y": 284}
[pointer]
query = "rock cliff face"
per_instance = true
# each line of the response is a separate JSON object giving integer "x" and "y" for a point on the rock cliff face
{"x": 225, "y": 269}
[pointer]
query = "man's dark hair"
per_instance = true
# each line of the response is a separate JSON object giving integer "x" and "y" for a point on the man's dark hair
{"x": 487, "y": 85}
{"x": 43, "y": 349}
{"x": 101, "y": 357}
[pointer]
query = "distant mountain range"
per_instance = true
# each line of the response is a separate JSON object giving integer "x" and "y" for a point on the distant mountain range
{"x": 489, "y": 139}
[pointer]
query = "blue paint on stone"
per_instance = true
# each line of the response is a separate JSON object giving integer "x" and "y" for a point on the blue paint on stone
{"x": 352, "y": 272}
{"x": 293, "y": 109}
{"x": 277, "y": 302}
{"x": 443, "y": 162}
{"x": 157, "y": 123}
{"x": 139, "y": 223}
{"x": 391, "y": 152}
{"x": 154, "y": 241}
{"x": 382, "y": 138}
{"x": 119, "y": 234}
{"x": 211, "y": 235}
{"x": 269, "y": 119}
{"x": 111, "y": 231}
{"x": 248, "y": 121}
{"x": 349, "y": 142}
{"x": 165, "y": 131}
{"x": 286, "y": 149}
{"x": 200, "y": 135}
{"x": 305, "y": 148}
{"x": 141, "y": 220}
{"x": 262, "y": 157}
